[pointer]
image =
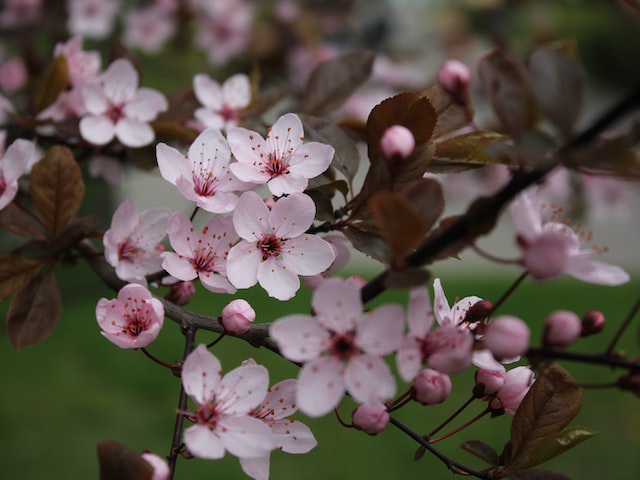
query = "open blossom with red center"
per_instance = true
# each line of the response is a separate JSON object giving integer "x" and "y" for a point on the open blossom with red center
{"x": 223, "y": 419}
{"x": 222, "y": 104}
{"x": 200, "y": 254}
{"x": 117, "y": 108}
{"x": 341, "y": 347}
{"x": 132, "y": 244}
{"x": 133, "y": 319}
{"x": 203, "y": 176}
{"x": 282, "y": 160}
{"x": 274, "y": 248}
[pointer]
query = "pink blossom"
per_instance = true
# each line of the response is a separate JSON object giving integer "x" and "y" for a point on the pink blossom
{"x": 133, "y": 320}
{"x": 291, "y": 436}
{"x": 13, "y": 75}
{"x": 517, "y": 382}
{"x": 552, "y": 248}
{"x": 148, "y": 29}
{"x": 237, "y": 316}
{"x": 131, "y": 244}
{"x": 82, "y": 64}
{"x": 397, "y": 142}
{"x": 454, "y": 77}
{"x": 202, "y": 176}
{"x": 181, "y": 293}
{"x": 91, "y": 18}
{"x": 431, "y": 387}
{"x": 561, "y": 328}
{"x": 69, "y": 104}
{"x": 341, "y": 348}
{"x": 223, "y": 420}
{"x": 282, "y": 161}
{"x": 507, "y": 337}
{"x": 371, "y": 419}
{"x": 14, "y": 162}
{"x": 117, "y": 108}
{"x": 489, "y": 382}
{"x": 274, "y": 248}
{"x": 339, "y": 244}
{"x": 200, "y": 254}
{"x": 222, "y": 105}
{"x": 160, "y": 468}
{"x": 20, "y": 12}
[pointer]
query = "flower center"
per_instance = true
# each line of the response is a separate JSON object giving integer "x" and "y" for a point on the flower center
{"x": 344, "y": 346}
{"x": 136, "y": 324}
{"x": 271, "y": 246}
{"x": 204, "y": 260}
{"x": 128, "y": 251}
{"x": 207, "y": 414}
{"x": 115, "y": 113}
{"x": 277, "y": 165}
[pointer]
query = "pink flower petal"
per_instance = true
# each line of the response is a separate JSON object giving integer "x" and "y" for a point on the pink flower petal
{"x": 441, "y": 308}
{"x": 300, "y": 338}
{"x": 207, "y": 91}
{"x": 292, "y": 436}
{"x": 286, "y": 134}
{"x": 134, "y": 133}
{"x": 526, "y": 216}
{"x": 242, "y": 264}
{"x": 337, "y": 304}
{"x": 120, "y": 81}
{"x": 290, "y": 183}
{"x": 320, "y": 386}
{"x": 280, "y": 401}
{"x": 97, "y": 129}
{"x": 409, "y": 358}
{"x": 201, "y": 373}
{"x": 178, "y": 266}
{"x": 216, "y": 283}
{"x": 145, "y": 105}
{"x": 256, "y": 468}
{"x": 307, "y": 255}
{"x": 95, "y": 101}
{"x": 245, "y": 437}
{"x": 379, "y": 331}
{"x": 596, "y": 272}
{"x": 172, "y": 163}
{"x": 368, "y": 379}
{"x": 203, "y": 442}
{"x": 250, "y": 218}
{"x": 278, "y": 281}
{"x": 419, "y": 313}
{"x": 236, "y": 91}
{"x": 242, "y": 389}
{"x": 292, "y": 216}
{"x": 15, "y": 160}
{"x": 311, "y": 159}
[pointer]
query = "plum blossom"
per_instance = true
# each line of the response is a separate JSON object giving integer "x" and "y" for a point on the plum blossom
{"x": 200, "y": 254}
{"x": 507, "y": 337}
{"x": 148, "y": 28}
{"x": 82, "y": 64}
{"x": 237, "y": 316}
{"x": 132, "y": 244}
{"x": 274, "y": 248}
{"x": 223, "y": 419}
{"x": 431, "y": 387}
{"x": 552, "y": 248}
{"x": 14, "y": 162}
{"x": 222, "y": 104}
{"x": 133, "y": 319}
{"x": 371, "y": 419}
{"x": 339, "y": 244}
{"x": 20, "y": 12}
{"x": 341, "y": 347}
{"x": 202, "y": 176}
{"x": 13, "y": 75}
{"x": 517, "y": 382}
{"x": 282, "y": 160}
{"x": 291, "y": 436}
{"x": 91, "y": 18}
{"x": 117, "y": 108}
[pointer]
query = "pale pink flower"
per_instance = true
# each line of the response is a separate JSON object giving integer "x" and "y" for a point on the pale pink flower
{"x": 489, "y": 382}
{"x": 274, "y": 248}
{"x": 117, "y": 108}
{"x": 131, "y": 244}
{"x": 371, "y": 419}
{"x": 148, "y": 29}
{"x": 200, "y": 254}
{"x": 517, "y": 382}
{"x": 14, "y": 162}
{"x": 552, "y": 248}
{"x": 291, "y": 436}
{"x": 507, "y": 337}
{"x": 339, "y": 244}
{"x": 237, "y": 316}
{"x": 91, "y": 18}
{"x": 341, "y": 348}
{"x": 282, "y": 161}
{"x": 133, "y": 320}
{"x": 431, "y": 387}
{"x": 222, "y": 104}
{"x": 223, "y": 420}
{"x": 69, "y": 104}
{"x": 561, "y": 328}
{"x": 203, "y": 176}
{"x": 82, "y": 64}
{"x": 20, "y": 12}
{"x": 160, "y": 467}
{"x": 13, "y": 75}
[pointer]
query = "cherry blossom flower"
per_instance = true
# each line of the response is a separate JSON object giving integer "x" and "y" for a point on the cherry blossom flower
{"x": 517, "y": 382}
{"x": 223, "y": 420}
{"x": 371, "y": 419}
{"x": 131, "y": 245}
{"x": 221, "y": 104}
{"x": 13, "y": 75}
{"x": 237, "y": 316}
{"x": 339, "y": 244}
{"x": 148, "y": 29}
{"x": 291, "y": 436}
{"x": 274, "y": 248}
{"x": 82, "y": 64}
{"x": 14, "y": 162}
{"x": 282, "y": 161}
{"x": 117, "y": 108}
{"x": 431, "y": 387}
{"x": 133, "y": 320}
{"x": 507, "y": 337}
{"x": 202, "y": 176}
{"x": 92, "y": 18}
{"x": 20, "y": 12}
{"x": 201, "y": 254}
{"x": 341, "y": 347}
{"x": 561, "y": 329}
{"x": 552, "y": 248}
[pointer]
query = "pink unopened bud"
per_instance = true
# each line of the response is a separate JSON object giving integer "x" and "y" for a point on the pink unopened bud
{"x": 397, "y": 142}
{"x": 181, "y": 293}
{"x": 561, "y": 329}
{"x": 507, "y": 337}
{"x": 371, "y": 419}
{"x": 454, "y": 77}
{"x": 478, "y": 311}
{"x": 431, "y": 387}
{"x": 489, "y": 382}
{"x": 237, "y": 316}
{"x": 592, "y": 323}
{"x": 160, "y": 468}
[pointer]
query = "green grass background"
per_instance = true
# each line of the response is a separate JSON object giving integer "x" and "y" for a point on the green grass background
{"x": 60, "y": 398}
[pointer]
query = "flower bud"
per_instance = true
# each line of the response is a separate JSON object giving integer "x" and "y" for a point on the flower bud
{"x": 181, "y": 293}
{"x": 397, "y": 142}
{"x": 454, "y": 77}
{"x": 478, "y": 311}
{"x": 561, "y": 329}
{"x": 489, "y": 382}
{"x": 431, "y": 387}
{"x": 507, "y": 337}
{"x": 237, "y": 316}
{"x": 517, "y": 382}
{"x": 592, "y": 323}
{"x": 371, "y": 419}
{"x": 160, "y": 468}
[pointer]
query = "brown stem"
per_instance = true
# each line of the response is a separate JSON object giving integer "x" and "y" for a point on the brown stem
{"x": 452, "y": 416}
{"x": 508, "y": 293}
{"x": 156, "y": 359}
{"x": 461, "y": 427}
{"x": 596, "y": 359}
